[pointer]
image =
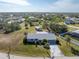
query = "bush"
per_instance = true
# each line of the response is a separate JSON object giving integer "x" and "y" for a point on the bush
{"x": 47, "y": 46}
{"x": 44, "y": 41}
{"x": 24, "y": 41}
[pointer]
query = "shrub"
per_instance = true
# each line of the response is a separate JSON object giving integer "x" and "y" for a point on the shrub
{"x": 47, "y": 46}
{"x": 44, "y": 41}
{"x": 24, "y": 41}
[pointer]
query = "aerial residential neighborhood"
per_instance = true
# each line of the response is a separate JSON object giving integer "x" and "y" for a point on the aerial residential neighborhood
{"x": 39, "y": 36}
{"x": 39, "y": 29}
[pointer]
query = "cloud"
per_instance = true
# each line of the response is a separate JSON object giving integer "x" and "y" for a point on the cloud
{"x": 66, "y": 5}
{"x": 17, "y": 2}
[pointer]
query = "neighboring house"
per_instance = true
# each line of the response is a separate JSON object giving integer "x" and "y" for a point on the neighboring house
{"x": 74, "y": 33}
{"x": 15, "y": 19}
{"x": 71, "y": 20}
{"x": 32, "y": 37}
{"x": 38, "y": 28}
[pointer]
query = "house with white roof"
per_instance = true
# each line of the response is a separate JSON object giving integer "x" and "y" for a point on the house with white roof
{"x": 32, "y": 37}
{"x": 71, "y": 20}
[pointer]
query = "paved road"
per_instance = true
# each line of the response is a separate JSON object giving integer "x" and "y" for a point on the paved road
{"x": 76, "y": 57}
{"x": 5, "y": 56}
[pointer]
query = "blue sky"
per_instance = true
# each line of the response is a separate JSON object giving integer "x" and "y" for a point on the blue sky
{"x": 39, "y": 5}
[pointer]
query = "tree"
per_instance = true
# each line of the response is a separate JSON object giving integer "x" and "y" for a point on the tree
{"x": 57, "y": 28}
{"x": 11, "y": 27}
{"x": 44, "y": 41}
{"x": 56, "y": 19}
{"x": 47, "y": 46}
{"x": 25, "y": 38}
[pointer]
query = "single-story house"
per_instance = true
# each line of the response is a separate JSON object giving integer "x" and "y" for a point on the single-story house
{"x": 32, "y": 37}
{"x": 74, "y": 33}
{"x": 38, "y": 28}
{"x": 71, "y": 20}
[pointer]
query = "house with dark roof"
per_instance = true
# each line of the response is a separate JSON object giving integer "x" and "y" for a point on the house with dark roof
{"x": 74, "y": 33}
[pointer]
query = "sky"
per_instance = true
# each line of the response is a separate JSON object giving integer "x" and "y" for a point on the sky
{"x": 39, "y": 5}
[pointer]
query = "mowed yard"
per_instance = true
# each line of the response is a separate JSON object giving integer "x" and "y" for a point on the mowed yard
{"x": 14, "y": 41}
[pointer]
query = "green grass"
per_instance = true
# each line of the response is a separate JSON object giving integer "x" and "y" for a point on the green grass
{"x": 77, "y": 25}
{"x": 71, "y": 29}
{"x": 30, "y": 50}
{"x": 31, "y": 29}
{"x": 64, "y": 47}
{"x": 73, "y": 45}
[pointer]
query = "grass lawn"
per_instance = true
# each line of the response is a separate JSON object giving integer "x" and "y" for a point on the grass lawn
{"x": 77, "y": 25}
{"x": 31, "y": 29}
{"x": 73, "y": 45}
{"x": 30, "y": 50}
{"x": 74, "y": 38}
{"x": 71, "y": 29}
{"x": 64, "y": 47}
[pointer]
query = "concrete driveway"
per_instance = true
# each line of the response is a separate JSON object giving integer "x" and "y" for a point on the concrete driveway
{"x": 55, "y": 51}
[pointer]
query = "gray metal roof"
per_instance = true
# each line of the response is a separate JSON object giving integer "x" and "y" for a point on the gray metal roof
{"x": 41, "y": 36}
{"x": 76, "y": 31}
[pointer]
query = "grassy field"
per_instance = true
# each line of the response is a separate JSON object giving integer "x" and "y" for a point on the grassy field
{"x": 14, "y": 41}
{"x": 71, "y": 29}
{"x": 30, "y": 50}
{"x": 64, "y": 47}
{"x": 76, "y": 40}
{"x": 77, "y": 25}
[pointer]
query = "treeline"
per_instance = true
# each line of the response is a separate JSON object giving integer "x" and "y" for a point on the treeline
{"x": 57, "y": 28}
{"x": 9, "y": 27}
